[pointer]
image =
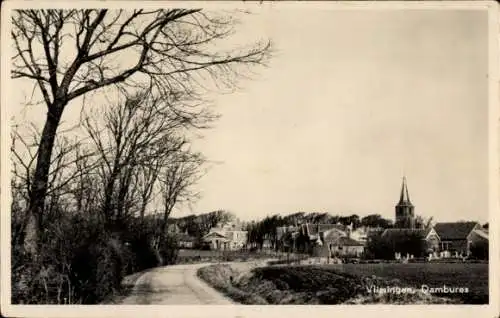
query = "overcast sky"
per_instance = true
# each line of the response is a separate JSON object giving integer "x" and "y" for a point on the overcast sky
{"x": 351, "y": 101}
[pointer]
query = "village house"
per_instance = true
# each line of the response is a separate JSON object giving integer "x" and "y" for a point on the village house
{"x": 405, "y": 240}
{"x": 339, "y": 241}
{"x": 267, "y": 243}
{"x": 345, "y": 246}
{"x": 443, "y": 240}
{"x": 320, "y": 236}
{"x": 226, "y": 237}
{"x": 321, "y": 240}
{"x": 360, "y": 234}
{"x": 456, "y": 238}
{"x": 185, "y": 240}
{"x": 479, "y": 234}
{"x": 286, "y": 237}
{"x": 399, "y": 238}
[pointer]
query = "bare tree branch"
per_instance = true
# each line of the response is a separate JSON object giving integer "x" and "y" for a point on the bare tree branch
{"x": 173, "y": 53}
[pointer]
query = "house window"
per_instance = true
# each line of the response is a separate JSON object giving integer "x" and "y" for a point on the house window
{"x": 445, "y": 246}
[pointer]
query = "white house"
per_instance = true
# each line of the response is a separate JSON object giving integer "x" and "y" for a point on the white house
{"x": 226, "y": 237}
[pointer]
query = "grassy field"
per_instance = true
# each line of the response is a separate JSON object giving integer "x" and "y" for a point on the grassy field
{"x": 348, "y": 283}
{"x": 472, "y": 276}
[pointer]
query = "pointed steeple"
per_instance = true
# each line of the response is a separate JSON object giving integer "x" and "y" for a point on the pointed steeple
{"x": 405, "y": 215}
{"x": 404, "y": 198}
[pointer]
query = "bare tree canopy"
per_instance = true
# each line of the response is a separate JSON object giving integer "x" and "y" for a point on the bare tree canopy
{"x": 173, "y": 53}
{"x": 171, "y": 49}
{"x": 139, "y": 141}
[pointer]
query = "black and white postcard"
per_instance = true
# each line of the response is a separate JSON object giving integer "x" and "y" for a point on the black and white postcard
{"x": 249, "y": 158}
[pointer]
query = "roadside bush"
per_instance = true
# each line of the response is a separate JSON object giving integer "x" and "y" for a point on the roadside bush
{"x": 137, "y": 237}
{"x": 169, "y": 250}
{"x": 80, "y": 262}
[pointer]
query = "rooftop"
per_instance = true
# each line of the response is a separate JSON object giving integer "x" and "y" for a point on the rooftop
{"x": 454, "y": 230}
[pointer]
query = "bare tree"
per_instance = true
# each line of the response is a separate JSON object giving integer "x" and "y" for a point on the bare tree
{"x": 22, "y": 172}
{"x": 177, "y": 179}
{"x": 70, "y": 53}
{"x": 141, "y": 133}
{"x": 83, "y": 187}
{"x": 23, "y": 157}
{"x": 210, "y": 220}
{"x": 61, "y": 173}
{"x": 420, "y": 222}
{"x": 146, "y": 178}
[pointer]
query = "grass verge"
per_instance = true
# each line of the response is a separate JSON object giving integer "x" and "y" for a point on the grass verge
{"x": 221, "y": 276}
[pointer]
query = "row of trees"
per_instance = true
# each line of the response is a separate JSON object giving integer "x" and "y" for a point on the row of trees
{"x": 80, "y": 196}
{"x": 134, "y": 154}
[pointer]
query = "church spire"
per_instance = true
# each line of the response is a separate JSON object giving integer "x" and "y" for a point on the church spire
{"x": 404, "y": 198}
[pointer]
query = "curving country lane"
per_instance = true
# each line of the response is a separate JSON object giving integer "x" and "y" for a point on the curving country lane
{"x": 174, "y": 285}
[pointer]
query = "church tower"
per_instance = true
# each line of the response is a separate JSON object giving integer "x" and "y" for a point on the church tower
{"x": 405, "y": 215}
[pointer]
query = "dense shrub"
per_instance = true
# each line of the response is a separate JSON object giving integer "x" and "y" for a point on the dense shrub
{"x": 80, "y": 261}
{"x": 169, "y": 250}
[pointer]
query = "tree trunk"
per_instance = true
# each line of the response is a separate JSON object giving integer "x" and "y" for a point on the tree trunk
{"x": 40, "y": 179}
{"x": 143, "y": 210}
{"x": 163, "y": 229}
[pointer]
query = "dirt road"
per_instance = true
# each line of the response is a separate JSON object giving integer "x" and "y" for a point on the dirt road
{"x": 174, "y": 285}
